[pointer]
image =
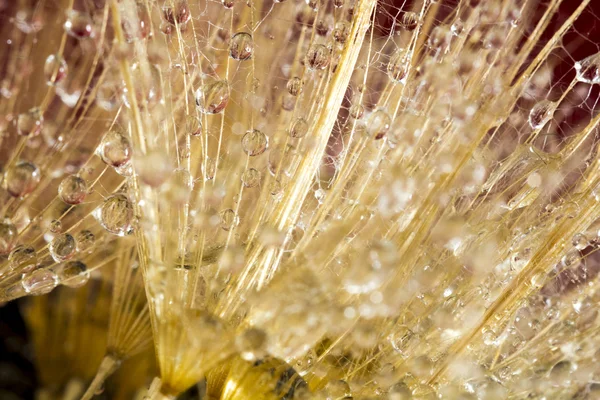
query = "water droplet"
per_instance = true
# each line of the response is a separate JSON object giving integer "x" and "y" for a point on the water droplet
{"x": 85, "y": 240}
{"x": 251, "y": 344}
{"x": 179, "y": 14}
{"x": 79, "y": 25}
{"x": 337, "y": 390}
{"x": 62, "y": 247}
{"x": 580, "y": 241}
{"x": 251, "y": 177}
{"x": 398, "y": 66}
{"x": 228, "y": 3}
{"x": 341, "y": 32}
{"x": 212, "y": 97}
{"x": 541, "y": 113}
{"x": 30, "y": 123}
{"x": 22, "y": 258}
{"x": 299, "y": 128}
{"x": 193, "y": 126}
{"x": 254, "y": 142}
{"x": 22, "y": 179}
{"x": 241, "y": 46}
{"x": 457, "y": 27}
{"x": 409, "y": 20}
{"x": 55, "y": 69}
{"x": 294, "y": 86}
{"x": 73, "y": 189}
{"x": 357, "y": 111}
{"x": 115, "y": 149}
{"x": 228, "y": 219}
{"x": 115, "y": 214}
{"x": 588, "y": 69}
{"x": 378, "y": 124}
{"x": 55, "y": 226}
{"x": 8, "y": 237}
{"x": 73, "y": 274}
{"x": 317, "y": 57}
{"x": 39, "y": 282}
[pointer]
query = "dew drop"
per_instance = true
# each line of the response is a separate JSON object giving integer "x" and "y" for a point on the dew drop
{"x": 398, "y": 66}
{"x": 193, "y": 126}
{"x": 30, "y": 123}
{"x": 254, "y": 142}
{"x": 23, "y": 258}
{"x": 62, "y": 247}
{"x": 115, "y": 214}
{"x": 22, "y": 179}
{"x": 357, "y": 111}
{"x": 299, "y": 128}
{"x": 317, "y": 57}
{"x": 541, "y": 113}
{"x": 251, "y": 344}
{"x": 337, "y": 390}
{"x": 228, "y": 3}
{"x": 73, "y": 274}
{"x": 294, "y": 86}
{"x": 55, "y": 69}
{"x": 588, "y": 69}
{"x": 241, "y": 46}
{"x": 341, "y": 32}
{"x": 55, "y": 226}
{"x": 115, "y": 149}
{"x": 179, "y": 14}
{"x": 79, "y": 25}
{"x": 409, "y": 20}
{"x": 378, "y": 124}
{"x": 8, "y": 237}
{"x": 212, "y": 98}
{"x": 228, "y": 219}
{"x": 73, "y": 189}
{"x": 39, "y": 282}
{"x": 251, "y": 177}
{"x": 85, "y": 240}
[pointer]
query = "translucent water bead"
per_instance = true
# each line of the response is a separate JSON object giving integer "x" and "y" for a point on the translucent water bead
{"x": 8, "y": 237}
{"x": 115, "y": 149}
{"x": 588, "y": 69}
{"x": 79, "y": 25}
{"x": 398, "y": 66}
{"x": 72, "y": 190}
{"x": 116, "y": 214}
{"x": 254, "y": 142}
{"x": 62, "y": 247}
{"x": 73, "y": 274}
{"x": 241, "y": 46}
{"x": 251, "y": 177}
{"x": 317, "y": 57}
{"x": 55, "y": 69}
{"x": 39, "y": 282}
{"x": 294, "y": 86}
{"x": 23, "y": 258}
{"x": 30, "y": 123}
{"x": 212, "y": 98}
{"x": 541, "y": 113}
{"x": 22, "y": 179}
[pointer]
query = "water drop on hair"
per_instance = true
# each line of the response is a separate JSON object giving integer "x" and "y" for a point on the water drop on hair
{"x": 212, "y": 98}
{"x": 241, "y": 46}
{"x": 254, "y": 142}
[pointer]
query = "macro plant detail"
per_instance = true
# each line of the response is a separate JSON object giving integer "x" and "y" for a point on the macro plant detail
{"x": 284, "y": 199}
